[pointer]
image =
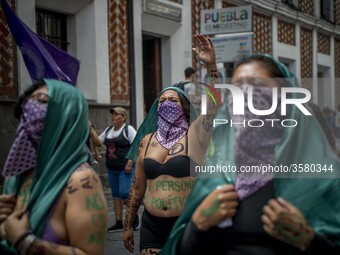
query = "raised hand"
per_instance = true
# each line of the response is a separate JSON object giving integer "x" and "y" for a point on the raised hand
{"x": 205, "y": 50}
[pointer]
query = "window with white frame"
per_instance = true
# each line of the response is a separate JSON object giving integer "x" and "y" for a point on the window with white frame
{"x": 53, "y": 27}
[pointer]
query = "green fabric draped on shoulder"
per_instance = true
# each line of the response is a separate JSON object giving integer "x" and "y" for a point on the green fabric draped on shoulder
{"x": 150, "y": 123}
{"x": 61, "y": 149}
{"x": 317, "y": 198}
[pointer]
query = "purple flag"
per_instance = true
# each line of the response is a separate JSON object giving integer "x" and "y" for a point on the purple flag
{"x": 42, "y": 59}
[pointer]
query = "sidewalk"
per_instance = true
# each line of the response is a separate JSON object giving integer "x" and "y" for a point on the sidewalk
{"x": 114, "y": 241}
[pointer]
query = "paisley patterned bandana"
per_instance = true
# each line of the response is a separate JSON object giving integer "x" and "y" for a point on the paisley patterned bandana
{"x": 172, "y": 124}
{"x": 250, "y": 149}
{"x": 22, "y": 155}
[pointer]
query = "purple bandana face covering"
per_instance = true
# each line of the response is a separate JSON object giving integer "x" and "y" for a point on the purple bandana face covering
{"x": 22, "y": 155}
{"x": 255, "y": 145}
{"x": 172, "y": 124}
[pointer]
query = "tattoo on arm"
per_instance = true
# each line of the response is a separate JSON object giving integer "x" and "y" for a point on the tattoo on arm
{"x": 141, "y": 146}
{"x": 70, "y": 188}
{"x": 208, "y": 122}
{"x": 86, "y": 183}
{"x": 132, "y": 206}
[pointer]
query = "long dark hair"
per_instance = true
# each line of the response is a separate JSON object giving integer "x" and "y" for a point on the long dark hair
{"x": 22, "y": 98}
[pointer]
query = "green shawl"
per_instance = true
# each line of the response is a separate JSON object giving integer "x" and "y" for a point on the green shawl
{"x": 61, "y": 149}
{"x": 318, "y": 199}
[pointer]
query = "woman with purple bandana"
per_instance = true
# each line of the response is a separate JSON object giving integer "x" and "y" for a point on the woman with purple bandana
{"x": 53, "y": 201}
{"x": 163, "y": 179}
{"x": 287, "y": 214}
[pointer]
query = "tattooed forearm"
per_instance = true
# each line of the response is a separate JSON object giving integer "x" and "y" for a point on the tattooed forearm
{"x": 133, "y": 204}
{"x": 207, "y": 122}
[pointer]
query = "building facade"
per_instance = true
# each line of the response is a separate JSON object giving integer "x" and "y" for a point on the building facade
{"x": 129, "y": 50}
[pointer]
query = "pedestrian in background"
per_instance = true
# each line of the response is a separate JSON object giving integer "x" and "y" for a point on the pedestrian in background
{"x": 117, "y": 139}
{"x": 53, "y": 201}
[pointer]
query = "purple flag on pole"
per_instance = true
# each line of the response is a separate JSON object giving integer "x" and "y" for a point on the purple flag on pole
{"x": 42, "y": 59}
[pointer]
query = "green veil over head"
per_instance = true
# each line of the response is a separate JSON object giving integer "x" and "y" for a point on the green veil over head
{"x": 61, "y": 149}
{"x": 306, "y": 144}
{"x": 150, "y": 123}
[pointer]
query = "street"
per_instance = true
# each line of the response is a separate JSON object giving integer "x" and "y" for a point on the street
{"x": 114, "y": 241}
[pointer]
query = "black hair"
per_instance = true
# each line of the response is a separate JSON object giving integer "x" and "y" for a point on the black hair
{"x": 189, "y": 71}
{"x": 185, "y": 106}
{"x": 22, "y": 98}
{"x": 266, "y": 62}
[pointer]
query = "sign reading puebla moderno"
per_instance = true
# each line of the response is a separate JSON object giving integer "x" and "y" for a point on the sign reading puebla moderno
{"x": 228, "y": 20}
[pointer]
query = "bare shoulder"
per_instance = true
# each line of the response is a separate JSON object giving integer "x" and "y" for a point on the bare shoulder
{"x": 83, "y": 178}
{"x": 83, "y": 169}
{"x": 143, "y": 143}
{"x": 146, "y": 138}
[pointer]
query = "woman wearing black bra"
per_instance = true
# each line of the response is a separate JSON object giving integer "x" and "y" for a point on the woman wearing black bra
{"x": 162, "y": 179}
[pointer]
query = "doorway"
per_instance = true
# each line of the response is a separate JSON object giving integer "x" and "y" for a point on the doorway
{"x": 152, "y": 69}
{"x": 324, "y": 87}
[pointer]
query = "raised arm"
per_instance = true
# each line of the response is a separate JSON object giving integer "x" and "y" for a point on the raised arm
{"x": 94, "y": 137}
{"x": 135, "y": 199}
{"x": 201, "y": 129}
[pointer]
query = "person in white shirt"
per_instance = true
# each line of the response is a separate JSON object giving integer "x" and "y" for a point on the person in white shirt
{"x": 117, "y": 139}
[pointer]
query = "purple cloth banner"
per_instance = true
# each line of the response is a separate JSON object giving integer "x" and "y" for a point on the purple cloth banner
{"x": 42, "y": 59}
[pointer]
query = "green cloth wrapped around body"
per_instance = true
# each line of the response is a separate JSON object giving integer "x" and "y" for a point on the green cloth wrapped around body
{"x": 317, "y": 198}
{"x": 61, "y": 149}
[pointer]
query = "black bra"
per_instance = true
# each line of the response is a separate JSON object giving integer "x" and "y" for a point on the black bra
{"x": 178, "y": 166}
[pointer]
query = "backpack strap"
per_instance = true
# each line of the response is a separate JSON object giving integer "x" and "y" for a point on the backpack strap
{"x": 181, "y": 84}
{"x": 108, "y": 130}
{"x": 126, "y": 131}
